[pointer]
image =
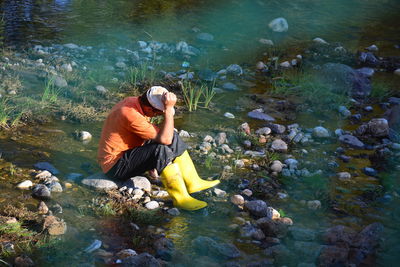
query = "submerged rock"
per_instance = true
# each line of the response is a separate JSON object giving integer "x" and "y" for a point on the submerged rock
{"x": 230, "y": 86}
{"x": 257, "y": 208}
{"x": 206, "y": 37}
{"x": 279, "y": 25}
{"x": 54, "y": 225}
{"x": 46, "y": 166}
{"x": 341, "y": 78}
{"x": 234, "y": 69}
{"x": 279, "y": 145}
{"x": 207, "y": 246}
{"x": 320, "y": 132}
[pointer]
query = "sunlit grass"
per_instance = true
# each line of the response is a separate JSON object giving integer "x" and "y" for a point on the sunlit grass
{"x": 194, "y": 95}
{"x": 50, "y": 92}
{"x": 305, "y": 87}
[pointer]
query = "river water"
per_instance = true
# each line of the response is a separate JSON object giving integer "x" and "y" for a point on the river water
{"x": 236, "y": 27}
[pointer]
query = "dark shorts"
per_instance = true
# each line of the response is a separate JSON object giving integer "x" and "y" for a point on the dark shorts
{"x": 147, "y": 157}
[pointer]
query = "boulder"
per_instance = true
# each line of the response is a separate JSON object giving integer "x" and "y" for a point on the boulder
{"x": 339, "y": 234}
{"x": 333, "y": 256}
{"x": 273, "y": 228}
{"x": 343, "y": 79}
{"x": 320, "y": 132}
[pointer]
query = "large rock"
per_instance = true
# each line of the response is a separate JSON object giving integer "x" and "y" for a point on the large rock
{"x": 339, "y": 234}
{"x": 257, "y": 208}
{"x": 376, "y": 127}
{"x": 393, "y": 117}
{"x": 141, "y": 260}
{"x": 274, "y": 228}
{"x": 139, "y": 182}
{"x": 99, "y": 181}
{"x": 207, "y": 246}
{"x": 341, "y": 78}
{"x": 164, "y": 248}
{"x": 333, "y": 256}
{"x": 351, "y": 141}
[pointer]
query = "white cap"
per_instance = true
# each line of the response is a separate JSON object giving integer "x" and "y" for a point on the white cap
{"x": 154, "y": 96}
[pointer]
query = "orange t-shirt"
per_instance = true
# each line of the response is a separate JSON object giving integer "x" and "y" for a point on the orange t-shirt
{"x": 126, "y": 127}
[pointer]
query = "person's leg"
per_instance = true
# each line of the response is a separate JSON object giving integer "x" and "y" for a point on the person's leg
{"x": 149, "y": 156}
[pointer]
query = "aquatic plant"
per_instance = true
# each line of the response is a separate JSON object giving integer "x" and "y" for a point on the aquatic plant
{"x": 208, "y": 94}
{"x": 5, "y": 112}
{"x": 304, "y": 86}
{"x": 208, "y": 162}
{"x": 106, "y": 209}
{"x": 50, "y": 92}
{"x": 144, "y": 217}
{"x": 381, "y": 90}
{"x": 191, "y": 94}
{"x": 144, "y": 73}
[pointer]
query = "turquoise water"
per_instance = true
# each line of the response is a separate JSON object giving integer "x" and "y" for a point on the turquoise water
{"x": 236, "y": 27}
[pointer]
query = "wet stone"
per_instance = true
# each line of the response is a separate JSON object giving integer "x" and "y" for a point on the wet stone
{"x": 279, "y": 25}
{"x": 23, "y": 261}
{"x": 152, "y": 205}
{"x": 277, "y": 128}
{"x": 54, "y": 225}
{"x": 351, "y": 141}
{"x": 99, "y": 181}
{"x": 260, "y": 115}
{"x": 55, "y": 187}
{"x": 207, "y": 246}
{"x": 174, "y": 212}
{"x": 279, "y": 145}
{"x": 302, "y": 234}
{"x": 41, "y": 191}
{"x": 46, "y": 166}
{"x": 264, "y": 131}
{"x": 370, "y": 171}
{"x": 219, "y": 193}
{"x": 230, "y": 86}
{"x": 237, "y": 200}
{"x": 344, "y": 176}
{"x": 314, "y": 204}
{"x": 257, "y": 208}
{"x": 139, "y": 182}
{"x": 25, "y": 184}
{"x": 125, "y": 253}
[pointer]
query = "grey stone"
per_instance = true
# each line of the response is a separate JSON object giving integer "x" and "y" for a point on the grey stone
{"x": 55, "y": 187}
{"x": 239, "y": 163}
{"x": 279, "y": 145}
{"x": 378, "y": 127}
{"x": 320, "y": 132}
{"x": 46, "y": 166}
{"x": 320, "y": 41}
{"x": 139, "y": 182}
{"x": 277, "y": 128}
{"x": 99, "y": 181}
{"x": 71, "y": 46}
{"x": 164, "y": 248}
{"x": 250, "y": 231}
{"x": 257, "y": 208}
{"x": 203, "y": 36}
{"x": 370, "y": 171}
{"x": 344, "y": 176}
{"x": 230, "y": 86}
{"x": 260, "y": 115}
{"x": 174, "y": 212}
{"x": 219, "y": 192}
{"x": 220, "y": 138}
{"x": 60, "y": 81}
{"x": 152, "y": 205}
{"x": 234, "y": 69}
{"x": 229, "y": 115}
{"x": 351, "y": 141}
{"x": 344, "y": 111}
{"x": 41, "y": 191}
{"x": 264, "y": 131}
{"x": 101, "y": 89}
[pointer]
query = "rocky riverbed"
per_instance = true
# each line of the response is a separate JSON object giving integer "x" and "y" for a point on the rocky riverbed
{"x": 306, "y": 167}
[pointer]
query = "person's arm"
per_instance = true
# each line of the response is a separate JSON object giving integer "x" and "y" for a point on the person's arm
{"x": 166, "y": 133}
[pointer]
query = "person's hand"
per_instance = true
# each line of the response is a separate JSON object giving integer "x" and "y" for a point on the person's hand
{"x": 169, "y": 100}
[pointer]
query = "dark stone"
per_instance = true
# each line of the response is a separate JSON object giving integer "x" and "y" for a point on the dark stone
{"x": 339, "y": 234}
{"x": 276, "y": 128}
{"x": 141, "y": 260}
{"x": 370, "y": 171}
{"x": 343, "y": 79}
{"x": 41, "y": 191}
{"x": 345, "y": 158}
{"x": 393, "y": 117}
{"x": 273, "y": 228}
{"x": 164, "y": 248}
{"x": 208, "y": 75}
{"x": 368, "y": 238}
{"x": 207, "y": 246}
{"x": 351, "y": 141}
{"x": 46, "y": 166}
{"x": 333, "y": 256}
{"x": 257, "y": 208}
{"x": 369, "y": 59}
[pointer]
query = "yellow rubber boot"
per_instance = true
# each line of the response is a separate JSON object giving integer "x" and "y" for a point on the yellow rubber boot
{"x": 192, "y": 180}
{"x": 176, "y": 188}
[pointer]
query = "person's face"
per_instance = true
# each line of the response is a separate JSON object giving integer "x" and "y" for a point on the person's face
{"x": 149, "y": 111}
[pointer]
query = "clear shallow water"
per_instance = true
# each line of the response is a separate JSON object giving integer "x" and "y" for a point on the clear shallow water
{"x": 236, "y": 26}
